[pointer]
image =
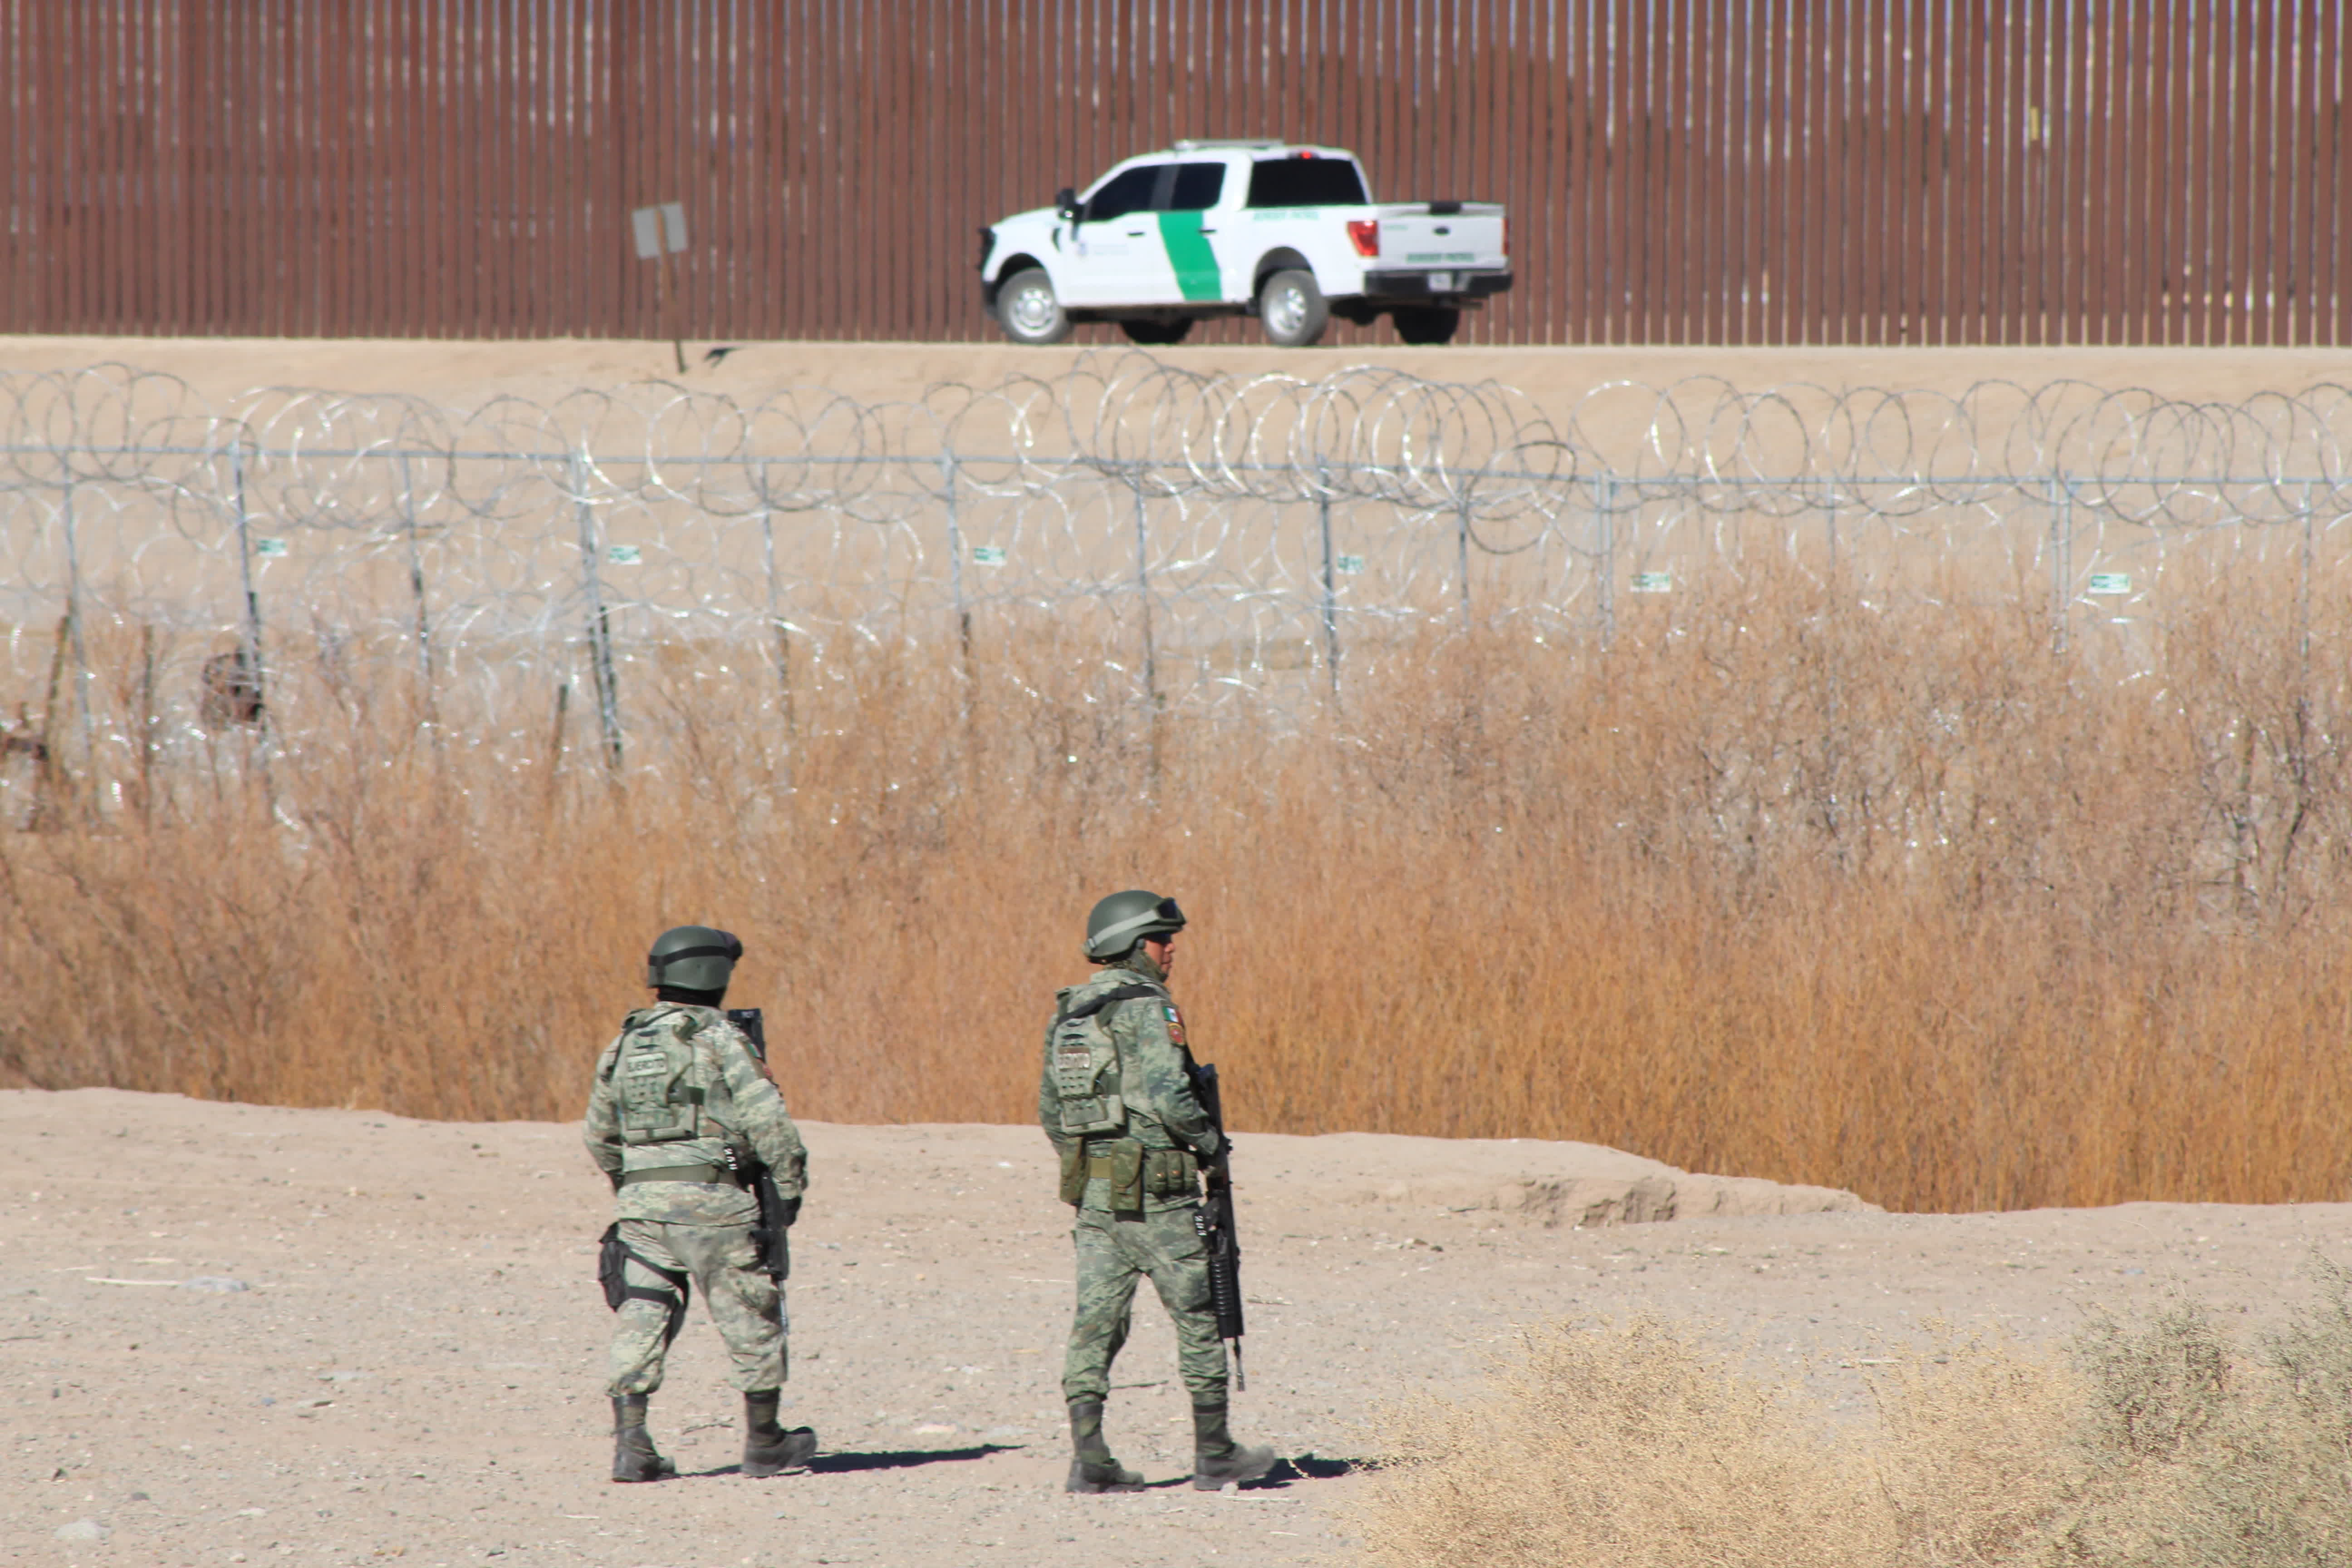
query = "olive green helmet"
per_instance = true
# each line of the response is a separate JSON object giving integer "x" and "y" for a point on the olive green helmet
{"x": 693, "y": 958}
{"x": 1121, "y": 920}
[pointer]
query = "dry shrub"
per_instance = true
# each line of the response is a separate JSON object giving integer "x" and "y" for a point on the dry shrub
{"x": 1623, "y": 1446}
{"x": 2160, "y": 1442}
{"x": 1785, "y": 883}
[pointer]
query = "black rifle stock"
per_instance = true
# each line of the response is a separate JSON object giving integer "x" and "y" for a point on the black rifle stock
{"x": 776, "y": 1214}
{"x": 1214, "y": 1221}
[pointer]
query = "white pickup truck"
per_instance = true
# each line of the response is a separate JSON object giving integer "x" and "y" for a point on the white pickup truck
{"x": 1286, "y": 233}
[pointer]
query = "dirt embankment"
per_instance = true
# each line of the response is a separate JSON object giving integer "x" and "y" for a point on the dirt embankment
{"x": 466, "y": 375}
{"x": 411, "y": 1369}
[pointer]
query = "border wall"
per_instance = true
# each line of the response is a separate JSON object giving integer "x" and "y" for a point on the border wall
{"x": 1815, "y": 172}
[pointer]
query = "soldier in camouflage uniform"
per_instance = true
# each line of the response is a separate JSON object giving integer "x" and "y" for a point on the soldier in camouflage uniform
{"x": 1117, "y": 1100}
{"x": 681, "y": 1101}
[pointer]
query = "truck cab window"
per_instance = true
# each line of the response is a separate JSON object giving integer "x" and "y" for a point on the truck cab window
{"x": 1198, "y": 186}
{"x": 1129, "y": 191}
{"x": 1306, "y": 182}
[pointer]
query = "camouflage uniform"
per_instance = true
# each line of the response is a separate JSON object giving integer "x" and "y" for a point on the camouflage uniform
{"x": 1155, "y": 1239}
{"x": 700, "y": 1228}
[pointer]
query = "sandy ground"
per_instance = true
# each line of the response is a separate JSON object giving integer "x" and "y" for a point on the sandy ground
{"x": 465, "y": 375}
{"x": 413, "y": 1370}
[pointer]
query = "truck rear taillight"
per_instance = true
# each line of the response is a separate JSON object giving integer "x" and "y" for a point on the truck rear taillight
{"x": 1365, "y": 236}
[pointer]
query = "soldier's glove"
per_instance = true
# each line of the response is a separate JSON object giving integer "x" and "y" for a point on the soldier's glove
{"x": 788, "y": 1210}
{"x": 1211, "y": 1145}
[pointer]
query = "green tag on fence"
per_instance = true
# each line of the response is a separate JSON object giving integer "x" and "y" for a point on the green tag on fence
{"x": 1350, "y": 565}
{"x": 2110, "y": 585}
{"x": 1654, "y": 582}
{"x": 989, "y": 555}
{"x": 625, "y": 554}
{"x": 270, "y": 549}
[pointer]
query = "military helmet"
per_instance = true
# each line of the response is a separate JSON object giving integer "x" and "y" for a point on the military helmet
{"x": 693, "y": 958}
{"x": 1121, "y": 920}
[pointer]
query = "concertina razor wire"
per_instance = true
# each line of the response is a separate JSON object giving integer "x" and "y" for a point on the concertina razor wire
{"x": 1196, "y": 540}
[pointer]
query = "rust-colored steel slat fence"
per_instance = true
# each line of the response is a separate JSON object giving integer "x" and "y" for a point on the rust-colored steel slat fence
{"x": 1678, "y": 170}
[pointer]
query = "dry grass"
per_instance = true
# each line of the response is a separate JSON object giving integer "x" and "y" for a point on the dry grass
{"x": 1628, "y": 1446}
{"x": 1782, "y": 887}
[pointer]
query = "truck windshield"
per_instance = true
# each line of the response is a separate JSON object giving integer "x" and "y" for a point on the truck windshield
{"x": 1306, "y": 182}
{"x": 1127, "y": 192}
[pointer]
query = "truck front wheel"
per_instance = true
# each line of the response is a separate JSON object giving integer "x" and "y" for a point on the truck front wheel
{"x": 1029, "y": 310}
{"x": 1292, "y": 309}
{"x": 1425, "y": 323}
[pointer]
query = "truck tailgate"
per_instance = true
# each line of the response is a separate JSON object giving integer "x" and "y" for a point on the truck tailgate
{"x": 1422, "y": 234}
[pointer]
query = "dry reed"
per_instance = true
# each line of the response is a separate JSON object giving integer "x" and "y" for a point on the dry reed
{"x": 1781, "y": 884}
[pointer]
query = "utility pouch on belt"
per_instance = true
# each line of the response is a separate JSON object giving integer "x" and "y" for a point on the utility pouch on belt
{"x": 1074, "y": 1175}
{"x": 1126, "y": 1176}
{"x": 1169, "y": 1174}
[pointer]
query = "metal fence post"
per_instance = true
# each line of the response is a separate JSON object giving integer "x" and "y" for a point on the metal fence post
{"x": 1604, "y": 551}
{"x": 782, "y": 629}
{"x": 254, "y": 668}
{"x": 600, "y": 625}
{"x": 80, "y": 648}
{"x": 1143, "y": 593}
{"x": 1462, "y": 551}
{"x": 955, "y": 574}
{"x": 1330, "y": 585}
{"x": 416, "y": 590}
{"x": 2061, "y": 559}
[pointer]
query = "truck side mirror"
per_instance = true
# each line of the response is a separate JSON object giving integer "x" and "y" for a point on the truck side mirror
{"x": 1066, "y": 202}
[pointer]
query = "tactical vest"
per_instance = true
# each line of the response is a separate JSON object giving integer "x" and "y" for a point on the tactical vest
{"x": 656, "y": 1079}
{"x": 1086, "y": 1064}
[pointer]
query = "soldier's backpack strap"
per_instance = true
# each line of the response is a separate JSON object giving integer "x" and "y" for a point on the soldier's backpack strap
{"x": 1094, "y": 1005}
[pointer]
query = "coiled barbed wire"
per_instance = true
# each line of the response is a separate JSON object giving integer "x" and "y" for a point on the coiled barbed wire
{"x": 1250, "y": 522}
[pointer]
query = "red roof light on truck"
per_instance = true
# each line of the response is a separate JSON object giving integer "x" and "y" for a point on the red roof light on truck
{"x": 1364, "y": 234}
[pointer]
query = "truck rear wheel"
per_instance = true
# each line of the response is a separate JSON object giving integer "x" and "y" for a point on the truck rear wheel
{"x": 1151, "y": 333}
{"x": 1425, "y": 323}
{"x": 1292, "y": 309}
{"x": 1029, "y": 310}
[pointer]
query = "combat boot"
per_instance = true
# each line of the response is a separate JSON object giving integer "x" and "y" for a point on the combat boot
{"x": 633, "y": 1458}
{"x": 768, "y": 1448}
{"x": 1093, "y": 1469}
{"x": 1217, "y": 1461}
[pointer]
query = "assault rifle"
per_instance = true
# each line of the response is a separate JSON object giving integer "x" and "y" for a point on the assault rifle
{"x": 1213, "y": 1220}
{"x": 774, "y": 1237}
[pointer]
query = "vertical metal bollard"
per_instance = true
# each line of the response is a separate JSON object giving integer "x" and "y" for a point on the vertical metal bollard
{"x": 1331, "y": 586}
{"x": 600, "y": 624}
{"x": 2061, "y": 560}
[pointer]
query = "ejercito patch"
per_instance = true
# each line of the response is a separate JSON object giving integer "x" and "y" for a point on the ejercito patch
{"x": 1175, "y": 1023}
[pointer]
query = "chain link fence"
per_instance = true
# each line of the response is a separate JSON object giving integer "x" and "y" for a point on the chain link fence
{"x": 177, "y": 570}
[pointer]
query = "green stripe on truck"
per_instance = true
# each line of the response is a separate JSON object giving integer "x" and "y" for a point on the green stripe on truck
{"x": 1188, "y": 253}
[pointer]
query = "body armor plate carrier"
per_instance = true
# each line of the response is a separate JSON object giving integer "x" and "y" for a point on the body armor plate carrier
{"x": 1086, "y": 1064}
{"x": 654, "y": 1080}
